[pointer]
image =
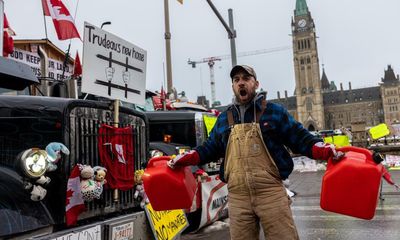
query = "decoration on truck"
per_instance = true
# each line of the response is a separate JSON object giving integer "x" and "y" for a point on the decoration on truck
{"x": 116, "y": 152}
{"x": 35, "y": 162}
{"x": 140, "y": 194}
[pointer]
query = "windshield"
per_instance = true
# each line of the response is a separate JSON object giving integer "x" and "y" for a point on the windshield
{"x": 20, "y": 133}
{"x": 181, "y": 132}
{"x": 5, "y": 91}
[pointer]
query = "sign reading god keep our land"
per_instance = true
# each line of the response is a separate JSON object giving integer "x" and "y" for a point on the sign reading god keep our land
{"x": 112, "y": 67}
{"x": 166, "y": 225}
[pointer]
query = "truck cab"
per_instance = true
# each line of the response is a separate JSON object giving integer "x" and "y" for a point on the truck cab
{"x": 28, "y": 122}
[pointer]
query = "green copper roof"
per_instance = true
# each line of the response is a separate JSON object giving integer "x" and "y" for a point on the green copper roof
{"x": 301, "y": 8}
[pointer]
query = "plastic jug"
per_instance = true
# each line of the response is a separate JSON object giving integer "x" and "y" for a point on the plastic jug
{"x": 167, "y": 188}
{"x": 351, "y": 185}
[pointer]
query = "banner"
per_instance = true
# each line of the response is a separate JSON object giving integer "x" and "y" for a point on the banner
{"x": 32, "y": 59}
{"x": 214, "y": 194}
{"x": 166, "y": 225}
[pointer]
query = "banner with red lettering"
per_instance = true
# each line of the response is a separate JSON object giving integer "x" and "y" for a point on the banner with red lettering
{"x": 214, "y": 194}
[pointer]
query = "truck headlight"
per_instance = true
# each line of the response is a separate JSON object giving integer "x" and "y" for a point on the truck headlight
{"x": 33, "y": 162}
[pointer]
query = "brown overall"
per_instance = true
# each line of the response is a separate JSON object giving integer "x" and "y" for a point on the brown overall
{"x": 256, "y": 193}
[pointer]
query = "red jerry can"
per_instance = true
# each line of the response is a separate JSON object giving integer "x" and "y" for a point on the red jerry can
{"x": 351, "y": 185}
{"x": 167, "y": 188}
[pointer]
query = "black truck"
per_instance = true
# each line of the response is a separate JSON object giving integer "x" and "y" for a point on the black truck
{"x": 35, "y": 121}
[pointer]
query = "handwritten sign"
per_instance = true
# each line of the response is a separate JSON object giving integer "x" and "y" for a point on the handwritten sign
{"x": 209, "y": 122}
{"x": 166, "y": 225}
{"x": 113, "y": 67}
{"x": 339, "y": 140}
{"x": 379, "y": 131}
{"x": 214, "y": 194}
{"x": 93, "y": 233}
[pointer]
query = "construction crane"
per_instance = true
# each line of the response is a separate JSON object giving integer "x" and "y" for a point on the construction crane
{"x": 211, "y": 62}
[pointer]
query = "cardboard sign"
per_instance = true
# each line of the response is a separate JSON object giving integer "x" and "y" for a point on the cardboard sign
{"x": 113, "y": 67}
{"x": 338, "y": 140}
{"x": 166, "y": 225}
{"x": 209, "y": 122}
{"x": 92, "y": 233}
{"x": 379, "y": 131}
{"x": 214, "y": 194}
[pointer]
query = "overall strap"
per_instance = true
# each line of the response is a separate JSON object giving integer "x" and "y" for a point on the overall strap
{"x": 231, "y": 122}
{"x": 260, "y": 113}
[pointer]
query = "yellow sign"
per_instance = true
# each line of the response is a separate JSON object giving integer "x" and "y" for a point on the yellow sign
{"x": 379, "y": 131}
{"x": 209, "y": 122}
{"x": 166, "y": 225}
{"x": 338, "y": 140}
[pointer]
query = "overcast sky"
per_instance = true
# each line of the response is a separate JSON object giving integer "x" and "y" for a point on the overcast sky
{"x": 357, "y": 38}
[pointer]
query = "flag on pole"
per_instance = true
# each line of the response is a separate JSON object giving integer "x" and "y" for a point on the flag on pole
{"x": 74, "y": 204}
{"x": 77, "y": 66}
{"x": 62, "y": 19}
{"x": 8, "y": 41}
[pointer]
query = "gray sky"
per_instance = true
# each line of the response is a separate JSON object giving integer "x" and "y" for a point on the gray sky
{"x": 357, "y": 38}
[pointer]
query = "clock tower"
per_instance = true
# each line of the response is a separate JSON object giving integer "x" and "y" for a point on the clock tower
{"x": 310, "y": 109}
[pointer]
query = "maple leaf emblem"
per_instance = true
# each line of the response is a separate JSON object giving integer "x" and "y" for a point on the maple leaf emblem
{"x": 59, "y": 6}
{"x": 69, "y": 196}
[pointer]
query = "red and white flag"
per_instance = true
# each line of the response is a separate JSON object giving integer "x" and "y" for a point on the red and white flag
{"x": 74, "y": 204}
{"x": 8, "y": 41}
{"x": 62, "y": 19}
{"x": 77, "y": 66}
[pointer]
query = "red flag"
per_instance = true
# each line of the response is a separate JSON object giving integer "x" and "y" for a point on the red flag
{"x": 77, "y": 66}
{"x": 74, "y": 204}
{"x": 62, "y": 19}
{"x": 162, "y": 94}
{"x": 8, "y": 41}
{"x": 116, "y": 152}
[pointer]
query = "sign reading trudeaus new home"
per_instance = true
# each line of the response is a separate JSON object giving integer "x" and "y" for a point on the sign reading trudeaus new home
{"x": 112, "y": 67}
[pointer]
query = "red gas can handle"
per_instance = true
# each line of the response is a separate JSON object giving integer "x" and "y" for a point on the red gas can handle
{"x": 153, "y": 161}
{"x": 366, "y": 152}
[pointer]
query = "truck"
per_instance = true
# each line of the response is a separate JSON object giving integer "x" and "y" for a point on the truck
{"x": 32, "y": 122}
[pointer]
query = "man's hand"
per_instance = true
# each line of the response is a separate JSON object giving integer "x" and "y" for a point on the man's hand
{"x": 186, "y": 159}
{"x": 324, "y": 151}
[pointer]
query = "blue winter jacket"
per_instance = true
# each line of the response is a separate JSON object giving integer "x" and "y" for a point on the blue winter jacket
{"x": 279, "y": 130}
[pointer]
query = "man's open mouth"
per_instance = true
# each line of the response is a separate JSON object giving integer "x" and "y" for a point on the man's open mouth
{"x": 242, "y": 92}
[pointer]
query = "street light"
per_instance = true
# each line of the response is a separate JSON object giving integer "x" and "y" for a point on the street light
{"x": 105, "y": 23}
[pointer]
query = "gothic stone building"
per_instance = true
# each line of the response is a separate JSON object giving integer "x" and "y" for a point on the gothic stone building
{"x": 317, "y": 103}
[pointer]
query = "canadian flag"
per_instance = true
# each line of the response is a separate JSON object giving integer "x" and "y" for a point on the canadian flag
{"x": 74, "y": 204}
{"x": 62, "y": 19}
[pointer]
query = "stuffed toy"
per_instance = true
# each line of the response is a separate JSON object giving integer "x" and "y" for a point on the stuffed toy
{"x": 88, "y": 186}
{"x": 54, "y": 150}
{"x": 37, "y": 192}
{"x": 140, "y": 194}
{"x": 99, "y": 179}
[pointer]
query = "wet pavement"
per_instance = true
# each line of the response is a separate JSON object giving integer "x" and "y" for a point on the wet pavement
{"x": 314, "y": 223}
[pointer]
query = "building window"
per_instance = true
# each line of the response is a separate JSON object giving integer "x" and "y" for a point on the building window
{"x": 301, "y": 61}
{"x": 308, "y": 43}
{"x": 298, "y": 45}
{"x": 346, "y": 100}
{"x": 308, "y": 60}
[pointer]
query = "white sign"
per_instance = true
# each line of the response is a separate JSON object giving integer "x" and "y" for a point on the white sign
{"x": 214, "y": 194}
{"x": 32, "y": 59}
{"x": 122, "y": 232}
{"x": 93, "y": 233}
{"x": 112, "y": 67}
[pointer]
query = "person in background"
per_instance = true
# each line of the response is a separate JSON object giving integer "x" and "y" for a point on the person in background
{"x": 252, "y": 136}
